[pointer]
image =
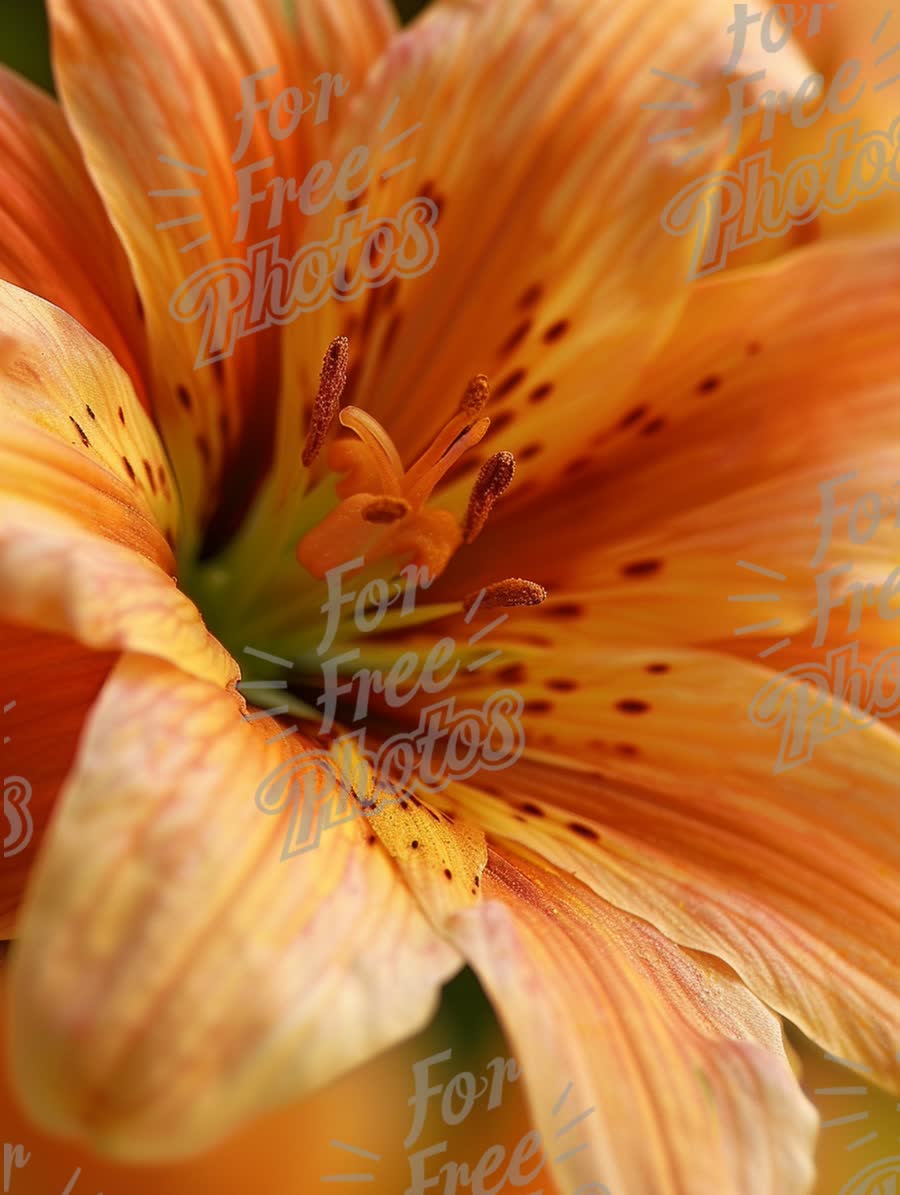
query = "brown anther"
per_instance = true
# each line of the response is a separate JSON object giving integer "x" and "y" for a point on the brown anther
{"x": 386, "y": 510}
{"x": 512, "y": 592}
{"x": 494, "y": 479}
{"x": 332, "y": 380}
{"x": 477, "y": 393}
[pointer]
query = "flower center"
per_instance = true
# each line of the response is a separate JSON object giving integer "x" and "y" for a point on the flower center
{"x": 365, "y": 534}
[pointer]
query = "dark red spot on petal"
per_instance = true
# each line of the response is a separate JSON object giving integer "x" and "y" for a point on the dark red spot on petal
{"x": 85, "y": 441}
{"x": 631, "y": 705}
{"x": 89, "y": 411}
{"x": 584, "y": 831}
{"x": 709, "y": 385}
{"x": 541, "y": 392}
{"x": 556, "y": 331}
{"x": 538, "y": 707}
{"x": 128, "y": 469}
{"x": 563, "y": 610}
{"x": 531, "y": 296}
{"x": 654, "y": 426}
{"x": 633, "y": 416}
{"x": 659, "y": 669}
{"x": 562, "y": 684}
{"x": 534, "y": 810}
{"x": 642, "y": 568}
{"x": 184, "y": 397}
{"x": 509, "y": 383}
{"x": 515, "y": 338}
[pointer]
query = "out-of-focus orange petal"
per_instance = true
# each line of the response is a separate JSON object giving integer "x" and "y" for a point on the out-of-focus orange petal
{"x": 51, "y": 683}
{"x": 176, "y": 70}
{"x": 55, "y": 236}
{"x": 854, "y": 50}
{"x": 284, "y": 1152}
{"x": 686, "y": 1083}
{"x": 652, "y": 775}
{"x": 180, "y": 975}
{"x": 539, "y": 195}
{"x": 88, "y": 506}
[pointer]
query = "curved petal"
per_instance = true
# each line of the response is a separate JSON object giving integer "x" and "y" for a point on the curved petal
{"x": 287, "y": 1150}
{"x": 181, "y": 974}
{"x": 55, "y": 236}
{"x": 662, "y": 779}
{"x": 685, "y": 1079}
{"x": 88, "y": 506}
{"x": 50, "y": 684}
{"x": 168, "y": 175}
{"x": 525, "y": 181}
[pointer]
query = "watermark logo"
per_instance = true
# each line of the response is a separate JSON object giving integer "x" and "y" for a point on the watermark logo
{"x": 524, "y": 1163}
{"x": 16, "y": 799}
{"x": 240, "y": 295}
{"x": 727, "y": 210}
{"x": 881, "y": 1177}
{"x": 15, "y": 1158}
{"x": 813, "y": 702}
{"x": 325, "y": 788}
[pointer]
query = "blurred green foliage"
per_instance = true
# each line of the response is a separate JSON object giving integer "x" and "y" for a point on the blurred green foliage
{"x": 24, "y": 44}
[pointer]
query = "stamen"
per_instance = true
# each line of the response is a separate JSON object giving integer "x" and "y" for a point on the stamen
{"x": 386, "y": 510}
{"x": 477, "y": 393}
{"x": 494, "y": 479}
{"x": 384, "y": 455}
{"x": 332, "y": 380}
{"x": 424, "y": 483}
{"x": 512, "y": 592}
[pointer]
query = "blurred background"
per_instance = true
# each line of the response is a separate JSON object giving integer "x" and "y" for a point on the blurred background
{"x": 291, "y": 1150}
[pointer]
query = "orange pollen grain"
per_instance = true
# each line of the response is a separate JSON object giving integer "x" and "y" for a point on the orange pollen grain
{"x": 493, "y": 480}
{"x": 511, "y": 592}
{"x": 332, "y": 380}
{"x": 475, "y": 398}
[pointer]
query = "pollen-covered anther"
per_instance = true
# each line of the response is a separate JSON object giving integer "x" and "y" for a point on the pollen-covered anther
{"x": 386, "y": 510}
{"x": 493, "y": 480}
{"x": 332, "y": 381}
{"x": 511, "y": 592}
{"x": 477, "y": 393}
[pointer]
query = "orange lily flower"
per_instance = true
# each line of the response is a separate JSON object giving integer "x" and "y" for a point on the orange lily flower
{"x": 640, "y": 896}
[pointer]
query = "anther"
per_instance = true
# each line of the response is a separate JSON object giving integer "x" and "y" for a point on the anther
{"x": 494, "y": 479}
{"x": 332, "y": 380}
{"x": 511, "y": 592}
{"x": 477, "y": 393}
{"x": 386, "y": 510}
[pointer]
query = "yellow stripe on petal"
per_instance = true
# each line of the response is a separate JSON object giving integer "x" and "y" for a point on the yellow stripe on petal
{"x": 175, "y": 974}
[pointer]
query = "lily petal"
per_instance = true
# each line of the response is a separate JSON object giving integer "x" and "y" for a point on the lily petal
{"x": 87, "y": 497}
{"x": 648, "y": 777}
{"x": 562, "y": 966}
{"x": 757, "y": 400}
{"x": 50, "y": 683}
{"x": 181, "y": 975}
{"x": 523, "y": 124}
{"x": 169, "y": 180}
{"x": 64, "y": 251}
